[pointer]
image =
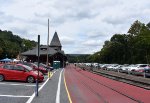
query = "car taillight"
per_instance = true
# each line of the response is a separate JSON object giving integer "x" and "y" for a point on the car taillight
{"x": 141, "y": 70}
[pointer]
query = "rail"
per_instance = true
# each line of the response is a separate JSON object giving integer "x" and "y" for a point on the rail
{"x": 121, "y": 76}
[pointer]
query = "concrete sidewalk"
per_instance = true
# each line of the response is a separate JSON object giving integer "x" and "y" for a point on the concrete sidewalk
{"x": 49, "y": 91}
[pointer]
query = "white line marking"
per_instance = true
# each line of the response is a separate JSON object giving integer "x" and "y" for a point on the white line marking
{"x": 33, "y": 95}
{"x": 15, "y": 96}
{"x": 18, "y": 84}
{"x": 43, "y": 84}
{"x": 58, "y": 89}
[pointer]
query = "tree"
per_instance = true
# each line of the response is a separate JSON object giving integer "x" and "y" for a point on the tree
{"x": 130, "y": 48}
{"x": 12, "y": 44}
{"x": 148, "y": 25}
{"x": 143, "y": 45}
{"x": 135, "y": 28}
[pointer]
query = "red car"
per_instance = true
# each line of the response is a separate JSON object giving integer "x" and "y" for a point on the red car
{"x": 35, "y": 67}
{"x": 19, "y": 72}
{"x": 41, "y": 68}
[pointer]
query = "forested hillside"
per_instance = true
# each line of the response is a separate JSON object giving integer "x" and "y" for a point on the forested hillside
{"x": 78, "y": 58}
{"x": 130, "y": 48}
{"x": 11, "y": 45}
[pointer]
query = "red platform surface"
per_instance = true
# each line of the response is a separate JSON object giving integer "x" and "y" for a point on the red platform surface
{"x": 86, "y": 87}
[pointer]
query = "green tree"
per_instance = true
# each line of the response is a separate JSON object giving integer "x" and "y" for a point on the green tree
{"x": 148, "y": 25}
{"x": 130, "y": 48}
{"x": 11, "y": 45}
{"x": 135, "y": 28}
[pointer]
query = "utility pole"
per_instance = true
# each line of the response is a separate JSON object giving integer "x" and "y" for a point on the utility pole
{"x": 37, "y": 80}
{"x": 47, "y": 44}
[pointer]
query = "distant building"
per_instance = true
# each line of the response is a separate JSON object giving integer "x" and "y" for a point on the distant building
{"x": 55, "y": 52}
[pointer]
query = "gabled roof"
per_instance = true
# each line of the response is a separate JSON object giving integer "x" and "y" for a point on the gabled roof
{"x": 60, "y": 52}
{"x": 42, "y": 51}
{"x": 55, "y": 40}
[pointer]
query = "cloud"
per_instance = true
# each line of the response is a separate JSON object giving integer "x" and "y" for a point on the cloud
{"x": 67, "y": 41}
{"x": 82, "y": 25}
{"x": 4, "y": 18}
{"x": 91, "y": 43}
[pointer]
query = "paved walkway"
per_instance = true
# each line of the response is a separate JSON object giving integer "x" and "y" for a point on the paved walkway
{"x": 50, "y": 92}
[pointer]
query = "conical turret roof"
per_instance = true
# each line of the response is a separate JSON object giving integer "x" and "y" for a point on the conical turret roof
{"x": 55, "y": 40}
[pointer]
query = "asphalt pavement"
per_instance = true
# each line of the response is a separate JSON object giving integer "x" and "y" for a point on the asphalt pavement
{"x": 16, "y": 92}
{"x": 49, "y": 91}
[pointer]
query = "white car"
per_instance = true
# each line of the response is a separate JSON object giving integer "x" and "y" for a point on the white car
{"x": 137, "y": 67}
{"x": 125, "y": 67}
{"x": 112, "y": 66}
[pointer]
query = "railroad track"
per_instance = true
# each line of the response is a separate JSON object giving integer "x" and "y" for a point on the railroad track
{"x": 99, "y": 83}
{"x": 136, "y": 81}
{"x": 125, "y": 80}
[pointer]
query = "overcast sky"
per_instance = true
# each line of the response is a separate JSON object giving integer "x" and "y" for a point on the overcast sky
{"x": 82, "y": 25}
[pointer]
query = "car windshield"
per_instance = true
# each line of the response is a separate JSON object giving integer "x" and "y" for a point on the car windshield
{"x": 133, "y": 66}
{"x": 43, "y": 64}
{"x": 28, "y": 64}
{"x": 27, "y": 67}
{"x": 34, "y": 65}
{"x": 143, "y": 65}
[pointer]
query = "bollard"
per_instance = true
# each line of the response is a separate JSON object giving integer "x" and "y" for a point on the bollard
{"x": 48, "y": 74}
{"x": 36, "y": 91}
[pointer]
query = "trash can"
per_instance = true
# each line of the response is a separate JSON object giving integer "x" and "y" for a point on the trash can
{"x": 56, "y": 64}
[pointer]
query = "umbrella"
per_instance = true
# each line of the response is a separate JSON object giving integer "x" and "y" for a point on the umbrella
{"x": 6, "y": 60}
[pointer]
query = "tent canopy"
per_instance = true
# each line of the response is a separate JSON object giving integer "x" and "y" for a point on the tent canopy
{"x": 6, "y": 60}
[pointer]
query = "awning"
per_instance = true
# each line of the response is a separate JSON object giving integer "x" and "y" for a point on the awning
{"x": 6, "y": 60}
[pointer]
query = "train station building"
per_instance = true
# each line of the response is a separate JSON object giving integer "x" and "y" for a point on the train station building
{"x": 54, "y": 51}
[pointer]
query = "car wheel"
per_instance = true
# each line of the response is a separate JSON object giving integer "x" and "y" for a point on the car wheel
{"x": 1, "y": 77}
{"x": 30, "y": 79}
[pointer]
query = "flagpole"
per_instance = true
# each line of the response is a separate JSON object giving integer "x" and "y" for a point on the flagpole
{"x": 47, "y": 44}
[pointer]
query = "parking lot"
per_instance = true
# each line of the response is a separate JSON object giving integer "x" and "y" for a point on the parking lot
{"x": 16, "y": 91}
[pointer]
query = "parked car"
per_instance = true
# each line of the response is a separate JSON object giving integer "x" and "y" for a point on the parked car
{"x": 44, "y": 66}
{"x": 104, "y": 66}
{"x": 142, "y": 72}
{"x": 130, "y": 67}
{"x": 138, "y": 67}
{"x": 19, "y": 72}
{"x": 124, "y": 67}
{"x": 35, "y": 67}
{"x": 112, "y": 66}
